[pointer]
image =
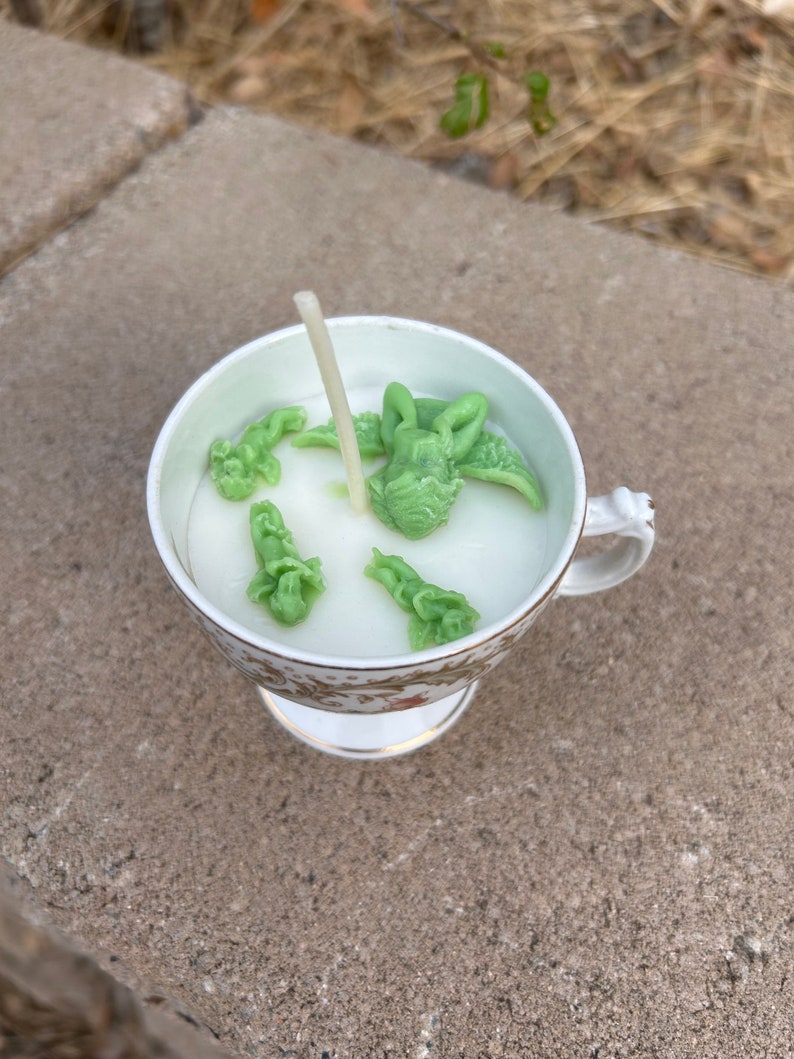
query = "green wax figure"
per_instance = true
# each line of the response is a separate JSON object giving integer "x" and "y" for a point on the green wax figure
{"x": 285, "y": 584}
{"x": 438, "y": 615}
{"x": 414, "y": 491}
{"x": 490, "y": 457}
{"x": 236, "y": 470}
{"x": 431, "y": 445}
{"x": 366, "y": 426}
{"x": 491, "y": 460}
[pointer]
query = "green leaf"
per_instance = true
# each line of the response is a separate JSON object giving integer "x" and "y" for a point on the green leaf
{"x": 471, "y": 107}
{"x": 494, "y": 48}
{"x": 537, "y": 85}
{"x": 540, "y": 116}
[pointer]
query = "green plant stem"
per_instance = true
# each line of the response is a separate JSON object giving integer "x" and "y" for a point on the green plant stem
{"x": 477, "y": 51}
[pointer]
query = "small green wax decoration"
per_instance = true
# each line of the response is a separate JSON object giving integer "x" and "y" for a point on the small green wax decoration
{"x": 285, "y": 584}
{"x": 492, "y": 460}
{"x": 236, "y": 470}
{"x": 438, "y": 615}
{"x": 414, "y": 491}
{"x": 367, "y": 430}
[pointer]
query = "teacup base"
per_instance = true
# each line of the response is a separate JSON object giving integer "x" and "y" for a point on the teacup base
{"x": 368, "y": 736}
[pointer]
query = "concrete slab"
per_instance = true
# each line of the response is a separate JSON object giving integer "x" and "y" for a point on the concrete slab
{"x": 55, "y": 1000}
{"x": 73, "y": 121}
{"x": 597, "y": 860}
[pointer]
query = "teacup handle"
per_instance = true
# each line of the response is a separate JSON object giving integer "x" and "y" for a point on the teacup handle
{"x": 630, "y": 516}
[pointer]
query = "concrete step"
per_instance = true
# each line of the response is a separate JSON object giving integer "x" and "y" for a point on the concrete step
{"x": 594, "y": 859}
{"x": 73, "y": 122}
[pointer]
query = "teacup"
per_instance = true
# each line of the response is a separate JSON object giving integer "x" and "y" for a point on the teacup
{"x": 371, "y": 707}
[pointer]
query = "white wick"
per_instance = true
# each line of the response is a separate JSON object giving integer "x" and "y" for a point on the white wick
{"x": 312, "y": 316}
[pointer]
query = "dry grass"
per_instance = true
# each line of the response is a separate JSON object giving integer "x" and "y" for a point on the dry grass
{"x": 675, "y": 118}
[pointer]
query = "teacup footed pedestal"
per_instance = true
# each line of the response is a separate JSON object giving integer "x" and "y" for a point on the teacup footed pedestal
{"x": 368, "y": 736}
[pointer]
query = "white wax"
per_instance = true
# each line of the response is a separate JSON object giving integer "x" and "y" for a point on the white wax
{"x": 491, "y": 549}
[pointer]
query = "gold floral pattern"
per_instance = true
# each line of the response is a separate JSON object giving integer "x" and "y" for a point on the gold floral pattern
{"x": 365, "y": 688}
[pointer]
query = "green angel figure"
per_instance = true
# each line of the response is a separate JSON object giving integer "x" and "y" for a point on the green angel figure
{"x": 236, "y": 470}
{"x": 285, "y": 584}
{"x": 437, "y": 615}
{"x": 414, "y": 491}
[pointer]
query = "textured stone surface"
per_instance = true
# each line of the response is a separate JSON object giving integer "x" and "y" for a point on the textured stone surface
{"x": 56, "y": 1001}
{"x": 72, "y": 122}
{"x": 597, "y": 859}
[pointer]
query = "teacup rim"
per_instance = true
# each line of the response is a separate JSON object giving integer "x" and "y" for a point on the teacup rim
{"x": 182, "y": 579}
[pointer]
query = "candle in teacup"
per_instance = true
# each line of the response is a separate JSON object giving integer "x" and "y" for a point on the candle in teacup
{"x": 345, "y": 680}
{"x": 492, "y": 548}
{"x": 491, "y": 551}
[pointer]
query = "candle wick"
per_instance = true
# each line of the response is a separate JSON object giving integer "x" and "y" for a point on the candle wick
{"x": 312, "y": 316}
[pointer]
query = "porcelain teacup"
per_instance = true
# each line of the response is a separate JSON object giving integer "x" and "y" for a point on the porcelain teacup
{"x": 371, "y": 707}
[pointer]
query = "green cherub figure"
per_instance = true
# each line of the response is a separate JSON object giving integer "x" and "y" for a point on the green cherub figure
{"x": 414, "y": 491}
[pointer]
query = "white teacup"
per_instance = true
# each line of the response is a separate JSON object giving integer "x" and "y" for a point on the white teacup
{"x": 369, "y": 707}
